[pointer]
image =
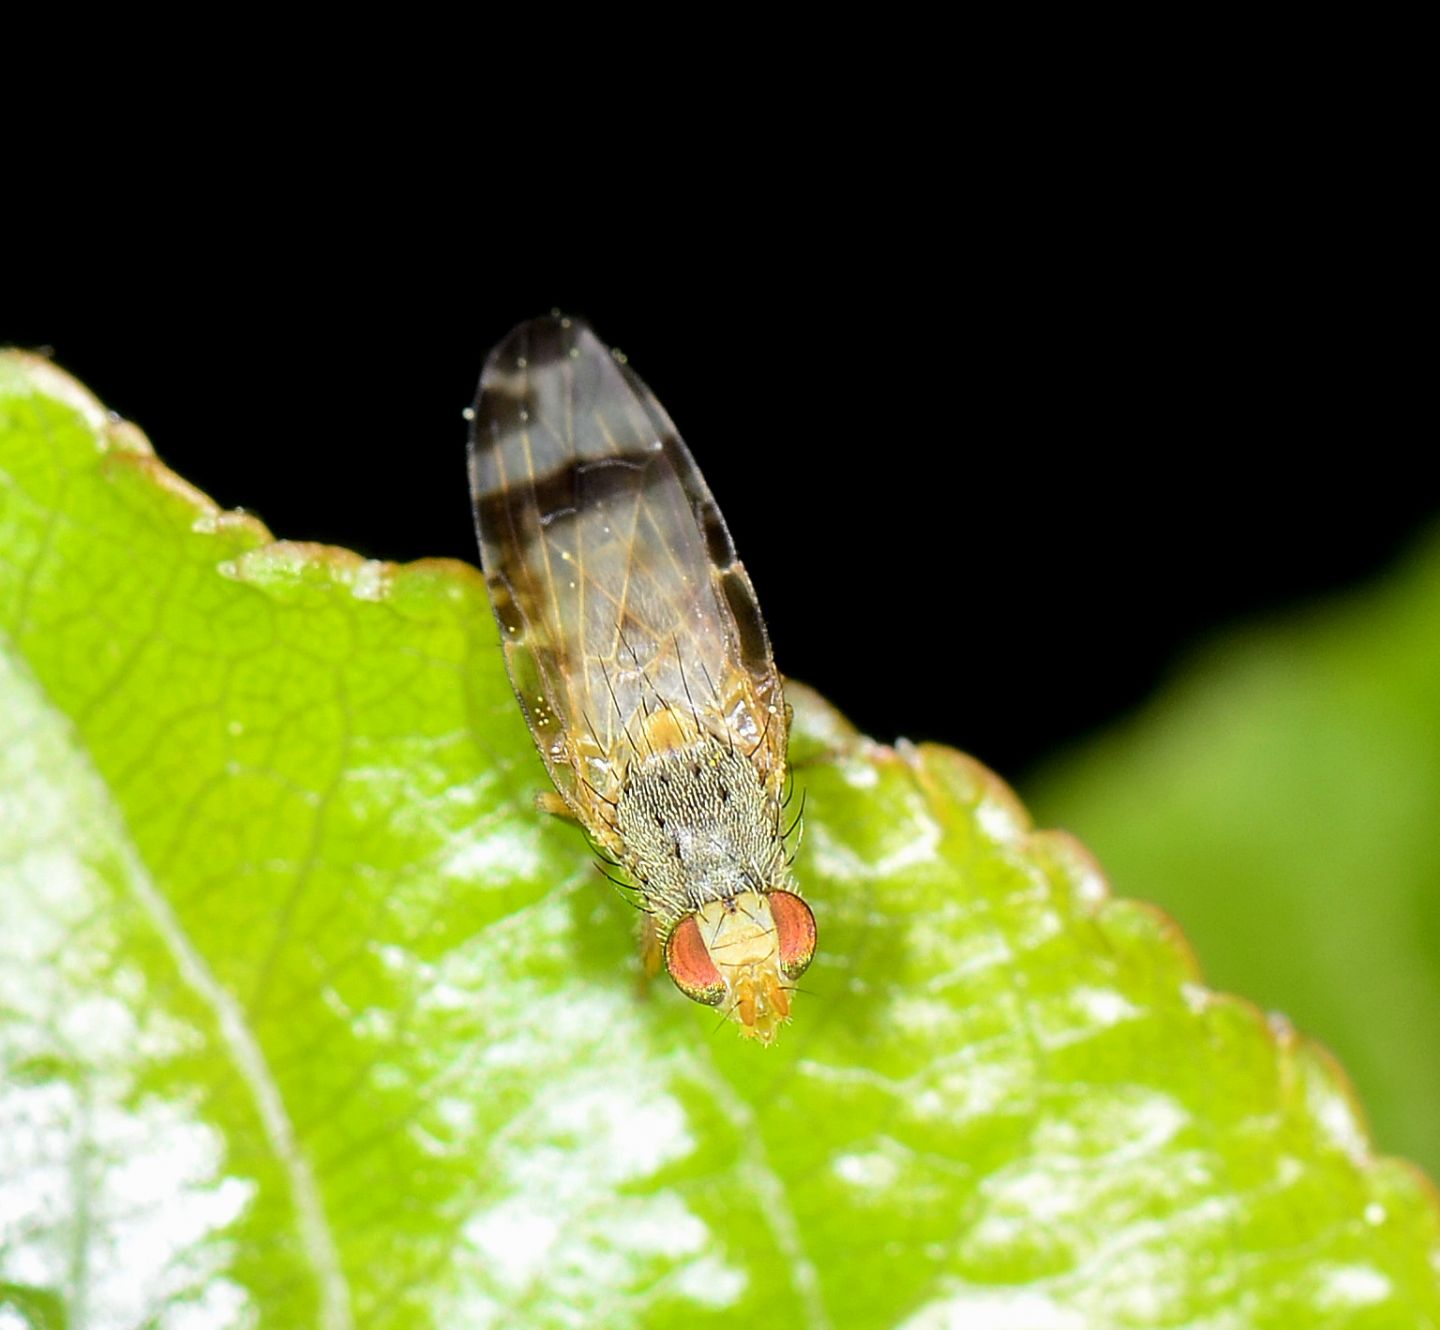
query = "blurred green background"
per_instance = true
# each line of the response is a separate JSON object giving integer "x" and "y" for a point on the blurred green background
{"x": 1280, "y": 798}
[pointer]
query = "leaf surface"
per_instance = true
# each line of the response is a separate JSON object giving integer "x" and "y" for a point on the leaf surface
{"x": 306, "y": 1017}
{"x": 1292, "y": 777}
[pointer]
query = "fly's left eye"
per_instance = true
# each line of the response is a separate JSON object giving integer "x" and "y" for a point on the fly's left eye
{"x": 795, "y": 927}
{"x": 690, "y": 965}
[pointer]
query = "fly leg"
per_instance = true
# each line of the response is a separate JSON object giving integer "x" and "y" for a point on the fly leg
{"x": 652, "y": 951}
{"x": 552, "y": 802}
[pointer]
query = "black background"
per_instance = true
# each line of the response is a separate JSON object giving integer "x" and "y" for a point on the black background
{"x": 992, "y": 460}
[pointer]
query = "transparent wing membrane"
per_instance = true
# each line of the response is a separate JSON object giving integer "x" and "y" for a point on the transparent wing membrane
{"x": 629, "y": 624}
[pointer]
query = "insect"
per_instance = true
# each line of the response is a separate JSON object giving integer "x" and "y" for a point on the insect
{"x": 639, "y": 657}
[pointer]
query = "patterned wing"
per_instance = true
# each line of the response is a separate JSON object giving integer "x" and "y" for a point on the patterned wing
{"x": 629, "y": 625}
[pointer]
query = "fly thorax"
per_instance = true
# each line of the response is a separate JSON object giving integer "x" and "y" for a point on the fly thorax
{"x": 697, "y": 826}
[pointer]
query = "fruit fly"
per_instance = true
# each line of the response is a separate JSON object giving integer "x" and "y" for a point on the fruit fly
{"x": 639, "y": 657}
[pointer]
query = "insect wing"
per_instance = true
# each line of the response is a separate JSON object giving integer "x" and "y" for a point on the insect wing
{"x": 628, "y": 623}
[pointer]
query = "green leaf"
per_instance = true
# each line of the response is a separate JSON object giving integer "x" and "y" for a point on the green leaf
{"x": 1291, "y": 780}
{"x": 306, "y": 1018}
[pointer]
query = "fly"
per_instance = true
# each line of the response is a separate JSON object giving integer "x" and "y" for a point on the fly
{"x": 640, "y": 660}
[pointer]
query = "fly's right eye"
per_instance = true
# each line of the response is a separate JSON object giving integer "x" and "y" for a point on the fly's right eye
{"x": 795, "y": 926}
{"x": 690, "y": 966}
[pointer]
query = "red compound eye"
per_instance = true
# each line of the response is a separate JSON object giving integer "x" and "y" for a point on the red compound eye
{"x": 795, "y": 926}
{"x": 690, "y": 965}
